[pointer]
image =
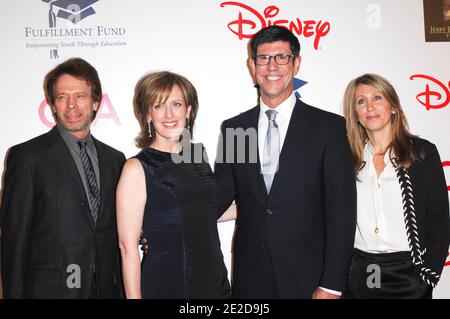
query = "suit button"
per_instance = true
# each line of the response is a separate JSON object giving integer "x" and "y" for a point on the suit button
{"x": 83, "y": 204}
{"x": 92, "y": 266}
{"x": 269, "y": 211}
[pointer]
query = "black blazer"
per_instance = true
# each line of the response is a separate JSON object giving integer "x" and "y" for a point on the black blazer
{"x": 47, "y": 226}
{"x": 307, "y": 222}
{"x": 425, "y": 202}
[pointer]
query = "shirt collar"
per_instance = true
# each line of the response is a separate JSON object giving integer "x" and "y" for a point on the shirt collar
{"x": 71, "y": 140}
{"x": 284, "y": 109}
{"x": 369, "y": 151}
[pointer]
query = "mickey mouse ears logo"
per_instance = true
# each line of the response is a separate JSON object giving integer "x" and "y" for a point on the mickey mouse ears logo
{"x": 70, "y": 10}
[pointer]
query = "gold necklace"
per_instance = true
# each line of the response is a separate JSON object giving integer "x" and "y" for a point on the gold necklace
{"x": 377, "y": 230}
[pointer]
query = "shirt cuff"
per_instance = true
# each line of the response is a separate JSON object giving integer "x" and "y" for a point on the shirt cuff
{"x": 334, "y": 292}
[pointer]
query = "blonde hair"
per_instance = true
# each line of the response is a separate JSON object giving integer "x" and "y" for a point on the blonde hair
{"x": 403, "y": 148}
{"x": 155, "y": 88}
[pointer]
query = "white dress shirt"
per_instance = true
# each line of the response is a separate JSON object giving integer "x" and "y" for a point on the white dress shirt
{"x": 379, "y": 207}
{"x": 283, "y": 118}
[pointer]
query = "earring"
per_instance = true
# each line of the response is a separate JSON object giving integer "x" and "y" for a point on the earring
{"x": 150, "y": 129}
{"x": 393, "y": 112}
{"x": 187, "y": 124}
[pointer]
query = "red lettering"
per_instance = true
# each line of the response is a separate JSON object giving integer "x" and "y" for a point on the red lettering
{"x": 271, "y": 11}
{"x": 428, "y": 94}
{"x": 296, "y": 28}
{"x": 308, "y": 29}
{"x": 42, "y": 115}
{"x": 106, "y": 102}
{"x": 240, "y": 22}
{"x": 322, "y": 30}
{"x": 245, "y": 28}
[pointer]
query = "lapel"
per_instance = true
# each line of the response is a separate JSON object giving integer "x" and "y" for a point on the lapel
{"x": 105, "y": 175}
{"x": 297, "y": 128}
{"x": 60, "y": 154}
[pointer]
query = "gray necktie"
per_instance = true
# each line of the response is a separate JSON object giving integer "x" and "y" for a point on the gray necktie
{"x": 91, "y": 180}
{"x": 271, "y": 150}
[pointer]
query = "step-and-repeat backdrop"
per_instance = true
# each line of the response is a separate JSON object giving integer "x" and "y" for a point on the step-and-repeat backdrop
{"x": 406, "y": 41}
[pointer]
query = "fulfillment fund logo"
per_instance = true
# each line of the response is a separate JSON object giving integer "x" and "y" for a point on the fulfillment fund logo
{"x": 70, "y": 10}
{"x": 65, "y": 30}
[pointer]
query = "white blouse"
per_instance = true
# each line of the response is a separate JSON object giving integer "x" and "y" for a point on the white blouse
{"x": 380, "y": 221}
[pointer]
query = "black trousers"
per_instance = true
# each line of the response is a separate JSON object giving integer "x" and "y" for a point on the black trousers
{"x": 267, "y": 287}
{"x": 386, "y": 276}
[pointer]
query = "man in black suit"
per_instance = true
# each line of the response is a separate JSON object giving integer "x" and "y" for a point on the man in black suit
{"x": 57, "y": 215}
{"x": 294, "y": 185}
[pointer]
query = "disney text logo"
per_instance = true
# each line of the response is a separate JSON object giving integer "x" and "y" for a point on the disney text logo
{"x": 427, "y": 94}
{"x": 308, "y": 28}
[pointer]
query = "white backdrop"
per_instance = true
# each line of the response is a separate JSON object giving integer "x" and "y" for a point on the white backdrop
{"x": 125, "y": 40}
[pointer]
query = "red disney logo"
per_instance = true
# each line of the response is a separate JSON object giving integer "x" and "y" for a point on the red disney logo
{"x": 428, "y": 94}
{"x": 307, "y": 28}
{"x": 106, "y": 102}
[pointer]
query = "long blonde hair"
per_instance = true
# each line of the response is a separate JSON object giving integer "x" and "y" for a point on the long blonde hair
{"x": 403, "y": 147}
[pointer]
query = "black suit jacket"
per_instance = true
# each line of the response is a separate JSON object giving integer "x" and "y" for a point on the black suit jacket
{"x": 47, "y": 228}
{"x": 431, "y": 208}
{"x": 306, "y": 225}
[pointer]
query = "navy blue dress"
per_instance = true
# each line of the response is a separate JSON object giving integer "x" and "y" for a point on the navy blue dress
{"x": 184, "y": 258}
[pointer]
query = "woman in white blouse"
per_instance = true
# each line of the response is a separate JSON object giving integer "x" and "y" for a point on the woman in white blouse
{"x": 403, "y": 226}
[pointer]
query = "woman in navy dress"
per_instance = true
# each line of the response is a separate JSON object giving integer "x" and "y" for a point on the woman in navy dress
{"x": 168, "y": 191}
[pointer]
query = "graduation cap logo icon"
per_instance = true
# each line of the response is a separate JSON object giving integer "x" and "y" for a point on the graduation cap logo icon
{"x": 70, "y": 10}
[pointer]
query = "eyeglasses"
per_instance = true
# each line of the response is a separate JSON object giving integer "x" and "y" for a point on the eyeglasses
{"x": 280, "y": 59}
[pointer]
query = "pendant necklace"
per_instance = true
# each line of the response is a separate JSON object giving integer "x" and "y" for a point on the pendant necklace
{"x": 376, "y": 230}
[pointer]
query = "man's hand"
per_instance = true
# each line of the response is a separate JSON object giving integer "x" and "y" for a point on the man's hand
{"x": 144, "y": 244}
{"x": 322, "y": 294}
